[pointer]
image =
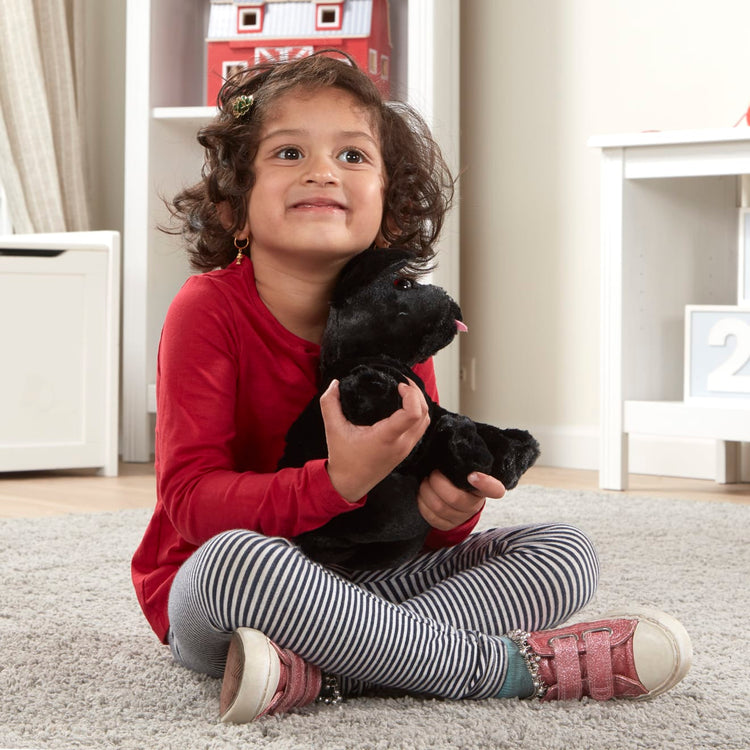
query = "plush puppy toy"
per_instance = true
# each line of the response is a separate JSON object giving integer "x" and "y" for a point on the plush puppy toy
{"x": 381, "y": 323}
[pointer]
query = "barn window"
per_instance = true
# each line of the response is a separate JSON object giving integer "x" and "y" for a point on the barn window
{"x": 385, "y": 68}
{"x": 249, "y": 18}
{"x": 232, "y": 67}
{"x": 328, "y": 17}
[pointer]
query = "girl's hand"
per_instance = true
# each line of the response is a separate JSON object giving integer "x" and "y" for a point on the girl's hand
{"x": 361, "y": 456}
{"x": 444, "y": 506}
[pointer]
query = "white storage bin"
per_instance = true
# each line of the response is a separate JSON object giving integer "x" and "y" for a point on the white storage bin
{"x": 59, "y": 339}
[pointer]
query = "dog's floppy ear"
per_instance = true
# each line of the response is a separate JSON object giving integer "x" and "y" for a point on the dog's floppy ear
{"x": 364, "y": 268}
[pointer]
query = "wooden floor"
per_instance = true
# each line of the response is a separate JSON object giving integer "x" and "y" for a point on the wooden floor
{"x": 47, "y": 493}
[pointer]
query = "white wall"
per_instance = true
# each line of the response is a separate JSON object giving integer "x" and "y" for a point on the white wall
{"x": 103, "y": 110}
{"x": 538, "y": 78}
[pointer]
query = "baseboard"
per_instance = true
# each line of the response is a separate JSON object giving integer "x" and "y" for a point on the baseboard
{"x": 568, "y": 448}
{"x": 578, "y": 448}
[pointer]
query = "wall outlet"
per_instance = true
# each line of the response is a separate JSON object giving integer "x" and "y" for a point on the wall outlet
{"x": 468, "y": 374}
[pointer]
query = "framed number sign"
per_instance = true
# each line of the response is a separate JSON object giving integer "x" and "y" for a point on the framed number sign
{"x": 717, "y": 355}
{"x": 743, "y": 275}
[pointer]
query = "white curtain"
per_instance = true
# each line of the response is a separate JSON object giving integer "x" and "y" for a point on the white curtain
{"x": 41, "y": 155}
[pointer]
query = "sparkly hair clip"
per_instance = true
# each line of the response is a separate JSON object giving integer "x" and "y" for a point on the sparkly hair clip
{"x": 242, "y": 105}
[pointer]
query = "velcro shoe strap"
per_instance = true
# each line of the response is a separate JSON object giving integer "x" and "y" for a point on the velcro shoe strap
{"x": 299, "y": 682}
{"x": 567, "y": 667}
{"x": 599, "y": 663}
{"x": 612, "y": 649}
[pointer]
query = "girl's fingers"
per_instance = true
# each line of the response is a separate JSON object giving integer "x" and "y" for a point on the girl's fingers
{"x": 486, "y": 485}
{"x": 330, "y": 404}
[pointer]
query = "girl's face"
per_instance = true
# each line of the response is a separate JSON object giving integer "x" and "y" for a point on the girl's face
{"x": 319, "y": 179}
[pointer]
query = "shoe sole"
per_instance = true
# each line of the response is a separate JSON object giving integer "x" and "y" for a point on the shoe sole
{"x": 251, "y": 677}
{"x": 659, "y": 624}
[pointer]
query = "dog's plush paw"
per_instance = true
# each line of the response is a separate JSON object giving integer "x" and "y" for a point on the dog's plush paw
{"x": 460, "y": 449}
{"x": 514, "y": 452}
{"x": 368, "y": 395}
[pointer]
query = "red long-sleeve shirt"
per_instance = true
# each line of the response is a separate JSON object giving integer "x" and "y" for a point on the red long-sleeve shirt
{"x": 230, "y": 381}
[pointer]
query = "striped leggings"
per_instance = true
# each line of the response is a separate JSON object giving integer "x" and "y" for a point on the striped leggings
{"x": 431, "y": 626}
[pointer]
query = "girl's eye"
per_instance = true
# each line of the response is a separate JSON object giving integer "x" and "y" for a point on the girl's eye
{"x": 352, "y": 156}
{"x": 289, "y": 152}
{"x": 402, "y": 283}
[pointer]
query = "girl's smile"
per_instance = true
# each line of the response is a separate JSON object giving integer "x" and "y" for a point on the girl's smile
{"x": 321, "y": 204}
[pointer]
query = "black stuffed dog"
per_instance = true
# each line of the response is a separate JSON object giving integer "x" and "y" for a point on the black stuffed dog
{"x": 382, "y": 323}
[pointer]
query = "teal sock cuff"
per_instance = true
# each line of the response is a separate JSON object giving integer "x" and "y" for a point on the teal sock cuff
{"x": 518, "y": 682}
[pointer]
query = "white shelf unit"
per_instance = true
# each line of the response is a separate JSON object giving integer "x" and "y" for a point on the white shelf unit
{"x": 669, "y": 205}
{"x": 164, "y": 92}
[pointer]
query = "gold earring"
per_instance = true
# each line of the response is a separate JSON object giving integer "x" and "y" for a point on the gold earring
{"x": 240, "y": 249}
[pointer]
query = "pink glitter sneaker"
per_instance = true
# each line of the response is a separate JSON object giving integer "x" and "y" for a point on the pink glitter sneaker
{"x": 624, "y": 655}
{"x": 261, "y": 678}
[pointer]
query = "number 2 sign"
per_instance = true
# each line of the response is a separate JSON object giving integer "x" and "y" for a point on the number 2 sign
{"x": 717, "y": 354}
{"x": 743, "y": 275}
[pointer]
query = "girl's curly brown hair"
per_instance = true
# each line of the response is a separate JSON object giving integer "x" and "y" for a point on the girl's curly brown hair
{"x": 419, "y": 185}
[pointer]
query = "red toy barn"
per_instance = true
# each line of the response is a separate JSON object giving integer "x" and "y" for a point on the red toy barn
{"x": 242, "y": 33}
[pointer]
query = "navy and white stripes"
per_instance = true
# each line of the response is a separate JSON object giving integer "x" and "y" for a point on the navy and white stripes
{"x": 430, "y": 626}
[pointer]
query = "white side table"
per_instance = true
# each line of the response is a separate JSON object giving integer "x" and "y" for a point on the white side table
{"x": 669, "y": 207}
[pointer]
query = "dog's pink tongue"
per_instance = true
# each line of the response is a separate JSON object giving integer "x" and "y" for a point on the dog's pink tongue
{"x": 461, "y": 326}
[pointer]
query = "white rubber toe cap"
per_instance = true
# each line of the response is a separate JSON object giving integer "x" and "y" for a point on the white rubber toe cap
{"x": 662, "y": 650}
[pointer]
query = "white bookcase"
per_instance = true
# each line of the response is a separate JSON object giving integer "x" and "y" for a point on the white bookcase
{"x": 669, "y": 238}
{"x": 164, "y": 93}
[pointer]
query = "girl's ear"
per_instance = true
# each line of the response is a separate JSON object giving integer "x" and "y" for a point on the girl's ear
{"x": 226, "y": 217}
{"x": 225, "y": 214}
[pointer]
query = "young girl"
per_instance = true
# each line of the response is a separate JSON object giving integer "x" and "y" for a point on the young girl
{"x": 306, "y": 167}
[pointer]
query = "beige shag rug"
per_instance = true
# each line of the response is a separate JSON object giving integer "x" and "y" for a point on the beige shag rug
{"x": 79, "y": 667}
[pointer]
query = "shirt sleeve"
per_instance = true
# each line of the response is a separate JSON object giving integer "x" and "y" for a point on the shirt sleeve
{"x": 438, "y": 539}
{"x": 197, "y": 481}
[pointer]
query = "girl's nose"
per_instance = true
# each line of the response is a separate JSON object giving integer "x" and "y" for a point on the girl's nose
{"x": 320, "y": 171}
